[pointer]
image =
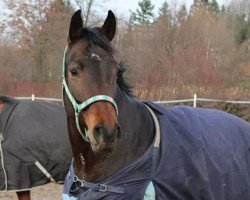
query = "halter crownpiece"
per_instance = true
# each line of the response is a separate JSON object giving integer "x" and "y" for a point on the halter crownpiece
{"x": 79, "y": 107}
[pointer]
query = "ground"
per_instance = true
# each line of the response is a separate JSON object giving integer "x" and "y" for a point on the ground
{"x": 49, "y": 191}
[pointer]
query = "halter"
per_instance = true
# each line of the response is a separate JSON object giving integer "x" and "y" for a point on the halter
{"x": 79, "y": 107}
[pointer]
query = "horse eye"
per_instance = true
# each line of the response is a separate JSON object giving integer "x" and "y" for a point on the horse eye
{"x": 74, "y": 72}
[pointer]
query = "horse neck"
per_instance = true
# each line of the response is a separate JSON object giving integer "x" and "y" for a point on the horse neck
{"x": 136, "y": 123}
{"x": 138, "y": 132}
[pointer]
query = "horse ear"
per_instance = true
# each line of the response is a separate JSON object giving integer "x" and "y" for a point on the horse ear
{"x": 109, "y": 26}
{"x": 76, "y": 26}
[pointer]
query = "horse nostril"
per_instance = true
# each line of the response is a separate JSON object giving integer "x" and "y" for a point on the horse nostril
{"x": 99, "y": 128}
{"x": 118, "y": 130}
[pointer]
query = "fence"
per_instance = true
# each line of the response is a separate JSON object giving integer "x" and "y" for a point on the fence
{"x": 195, "y": 99}
{"x": 33, "y": 98}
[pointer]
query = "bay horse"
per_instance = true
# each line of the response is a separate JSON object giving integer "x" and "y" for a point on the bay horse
{"x": 127, "y": 149}
{"x": 35, "y": 148}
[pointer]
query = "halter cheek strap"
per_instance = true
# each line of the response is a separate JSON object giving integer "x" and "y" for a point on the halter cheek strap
{"x": 79, "y": 107}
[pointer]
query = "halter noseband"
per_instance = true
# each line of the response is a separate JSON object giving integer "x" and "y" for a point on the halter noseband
{"x": 79, "y": 107}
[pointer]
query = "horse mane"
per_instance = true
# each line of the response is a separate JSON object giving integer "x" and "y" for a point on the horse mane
{"x": 96, "y": 38}
{"x": 121, "y": 82}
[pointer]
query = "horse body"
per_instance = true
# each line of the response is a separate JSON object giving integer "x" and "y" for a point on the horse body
{"x": 32, "y": 135}
{"x": 203, "y": 154}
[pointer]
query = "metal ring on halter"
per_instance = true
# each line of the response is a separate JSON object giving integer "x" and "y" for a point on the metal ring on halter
{"x": 75, "y": 179}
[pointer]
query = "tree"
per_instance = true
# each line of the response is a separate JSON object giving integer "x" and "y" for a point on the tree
{"x": 24, "y": 18}
{"x": 86, "y": 8}
{"x": 242, "y": 29}
{"x": 50, "y": 41}
{"x": 144, "y": 14}
{"x": 199, "y": 4}
{"x": 182, "y": 13}
{"x": 89, "y": 9}
{"x": 164, "y": 9}
{"x": 239, "y": 12}
{"x": 40, "y": 40}
{"x": 214, "y": 6}
{"x": 223, "y": 9}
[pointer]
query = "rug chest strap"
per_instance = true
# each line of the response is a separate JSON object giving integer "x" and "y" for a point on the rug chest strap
{"x": 97, "y": 187}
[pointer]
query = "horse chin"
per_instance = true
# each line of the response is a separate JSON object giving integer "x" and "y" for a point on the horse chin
{"x": 103, "y": 147}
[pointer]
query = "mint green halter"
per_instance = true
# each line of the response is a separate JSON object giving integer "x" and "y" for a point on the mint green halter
{"x": 79, "y": 107}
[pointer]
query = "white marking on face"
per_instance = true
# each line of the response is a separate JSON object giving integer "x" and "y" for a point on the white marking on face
{"x": 93, "y": 55}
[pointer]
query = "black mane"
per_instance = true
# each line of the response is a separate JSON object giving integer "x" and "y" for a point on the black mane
{"x": 96, "y": 38}
{"x": 121, "y": 82}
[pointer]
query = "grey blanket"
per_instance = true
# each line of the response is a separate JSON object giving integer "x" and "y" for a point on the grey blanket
{"x": 32, "y": 133}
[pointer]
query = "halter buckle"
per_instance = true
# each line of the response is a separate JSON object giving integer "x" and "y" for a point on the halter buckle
{"x": 103, "y": 188}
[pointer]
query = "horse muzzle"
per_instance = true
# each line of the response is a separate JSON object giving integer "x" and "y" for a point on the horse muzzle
{"x": 105, "y": 140}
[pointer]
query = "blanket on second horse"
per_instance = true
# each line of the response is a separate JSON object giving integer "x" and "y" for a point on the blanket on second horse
{"x": 34, "y": 141}
{"x": 203, "y": 154}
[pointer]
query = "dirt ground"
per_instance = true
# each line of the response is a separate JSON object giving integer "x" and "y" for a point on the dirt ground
{"x": 49, "y": 191}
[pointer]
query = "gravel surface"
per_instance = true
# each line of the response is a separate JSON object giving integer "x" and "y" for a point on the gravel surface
{"x": 49, "y": 191}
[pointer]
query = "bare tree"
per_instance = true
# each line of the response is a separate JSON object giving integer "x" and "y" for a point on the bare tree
{"x": 49, "y": 44}
{"x": 86, "y": 7}
{"x": 24, "y": 18}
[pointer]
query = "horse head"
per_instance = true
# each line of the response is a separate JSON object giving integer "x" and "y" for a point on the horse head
{"x": 89, "y": 79}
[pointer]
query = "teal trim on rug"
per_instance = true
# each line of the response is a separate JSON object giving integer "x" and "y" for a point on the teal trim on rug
{"x": 67, "y": 197}
{"x": 150, "y": 192}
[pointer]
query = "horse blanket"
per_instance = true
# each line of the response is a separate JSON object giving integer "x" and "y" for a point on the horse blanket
{"x": 204, "y": 154}
{"x": 35, "y": 147}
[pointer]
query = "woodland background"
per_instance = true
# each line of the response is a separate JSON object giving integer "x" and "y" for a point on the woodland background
{"x": 171, "y": 53}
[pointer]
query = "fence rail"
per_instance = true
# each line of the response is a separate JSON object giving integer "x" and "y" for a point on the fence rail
{"x": 195, "y": 99}
{"x": 33, "y": 98}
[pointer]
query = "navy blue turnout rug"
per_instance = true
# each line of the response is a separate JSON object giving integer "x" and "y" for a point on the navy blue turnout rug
{"x": 203, "y": 155}
{"x": 35, "y": 147}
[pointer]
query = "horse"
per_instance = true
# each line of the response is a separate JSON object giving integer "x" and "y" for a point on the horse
{"x": 35, "y": 148}
{"x": 124, "y": 148}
